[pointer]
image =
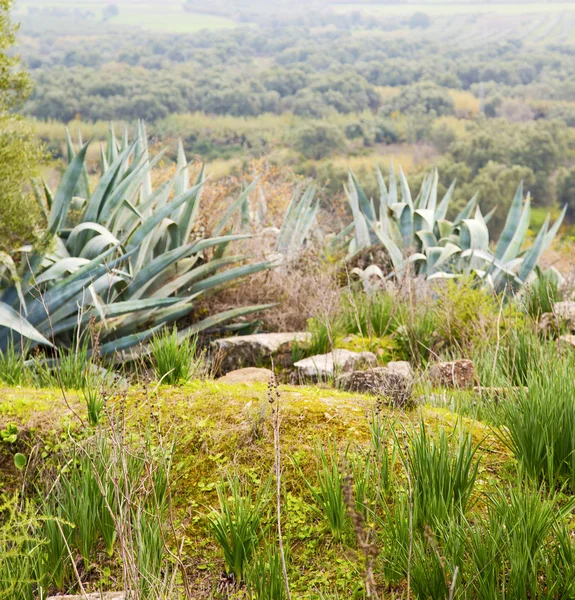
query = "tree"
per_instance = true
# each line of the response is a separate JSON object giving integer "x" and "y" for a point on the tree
{"x": 110, "y": 11}
{"x": 419, "y": 19}
{"x": 319, "y": 140}
{"x": 19, "y": 152}
{"x": 566, "y": 190}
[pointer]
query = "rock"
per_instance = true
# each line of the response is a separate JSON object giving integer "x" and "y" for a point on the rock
{"x": 324, "y": 366}
{"x": 256, "y": 350}
{"x": 563, "y": 314}
{"x": 400, "y": 366}
{"x": 394, "y": 382}
{"x": 568, "y": 339}
{"x": 96, "y": 596}
{"x": 247, "y": 375}
{"x": 565, "y": 310}
{"x": 457, "y": 373}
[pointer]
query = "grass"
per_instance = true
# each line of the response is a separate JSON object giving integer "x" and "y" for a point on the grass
{"x": 174, "y": 361}
{"x": 450, "y": 8}
{"x": 210, "y": 422}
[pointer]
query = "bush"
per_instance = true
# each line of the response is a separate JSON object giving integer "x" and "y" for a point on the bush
{"x": 318, "y": 140}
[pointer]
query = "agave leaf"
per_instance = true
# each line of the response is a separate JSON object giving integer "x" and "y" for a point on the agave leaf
{"x": 406, "y": 226}
{"x": 12, "y": 320}
{"x": 65, "y": 192}
{"x": 518, "y": 238}
{"x": 534, "y": 253}
{"x": 223, "y": 222}
{"x": 392, "y": 185}
{"x": 466, "y": 212}
{"x": 364, "y": 204}
{"x": 63, "y": 266}
{"x": 405, "y": 191}
{"x": 441, "y": 211}
{"x": 8, "y": 262}
{"x": 513, "y": 217}
{"x": 550, "y": 235}
{"x": 226, "y": 276}
{"x": 427, "y": 238}
{"x": 474, "y": 235}
{"x": 392, "y": 249}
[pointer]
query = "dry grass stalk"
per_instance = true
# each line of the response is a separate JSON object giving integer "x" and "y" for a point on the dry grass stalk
{"x": 274, "y": 400}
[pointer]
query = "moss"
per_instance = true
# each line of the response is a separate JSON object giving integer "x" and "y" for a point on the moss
{"x": 219, "y": 428}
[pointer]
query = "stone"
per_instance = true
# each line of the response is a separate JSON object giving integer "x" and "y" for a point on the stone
{"x": 400, "y": 366}
{"x": 393, "y": 382}
{"x": 96, "y": 596}
{"x": 454, "y": 374}
{"x": 256, "y": 350}
{"x": 563, "y": 314}
{"x": 324, "y": 366}
{"x": 247, "y": 375}
{"x": 568, "y": 339}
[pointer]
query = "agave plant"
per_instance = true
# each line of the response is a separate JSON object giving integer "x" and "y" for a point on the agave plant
{"x": 121, "y": 254}
{"x": 417, "y": 233}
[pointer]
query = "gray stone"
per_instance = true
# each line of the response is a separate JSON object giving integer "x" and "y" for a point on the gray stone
{"x": 96, "y": 596}
{"x": 324, "y": 366}
{"x": 454, "y": 374}
{"x": 563, "y": 314}
{"x": 393, "y": 382}
{"x": 247, "y": 375}
{"x": 257, "y": 350}
{"x": 400, "y": 366}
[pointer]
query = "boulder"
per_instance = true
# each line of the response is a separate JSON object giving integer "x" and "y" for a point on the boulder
{"x": 247, "y": 375}
{"x": 563, "y": 314}
{"x": 257, "y": 350}
{"x": 393, "y": 382}
{"x": 454, "y": 374}
{"x": 325, "y": 366}
{"x": 96, "y": 596}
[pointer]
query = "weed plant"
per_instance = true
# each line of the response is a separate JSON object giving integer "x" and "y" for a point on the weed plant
{"x": 12, "y": 369}
{"x": 443, "y": 474}
{"x": 238, "y": 524}
{"x": 264, "y": 576}
{"x": 328, "y": 493}
{"x": 174, "y": 361}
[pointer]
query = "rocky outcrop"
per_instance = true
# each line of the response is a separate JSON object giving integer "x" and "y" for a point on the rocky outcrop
{"x": 325, "y": 366}
{"x": 257, "y": 350}
{"x": 247, "y": 375}
{"x": 393, "y": 382}
{"x": 568, "y": 339}
{"x": 454, "y": 374}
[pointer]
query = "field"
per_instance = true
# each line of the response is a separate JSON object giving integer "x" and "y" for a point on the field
{"x": 451, "y": 8}
{"x": 153, "y": 16}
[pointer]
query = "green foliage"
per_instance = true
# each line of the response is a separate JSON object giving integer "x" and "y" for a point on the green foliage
{"x": 174, "y": 361}
{"x": 237, "y": 526}
{"x": 19, "y": 152}
{"x": 316, "y": 141}
{"x": 423, "y": 98}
